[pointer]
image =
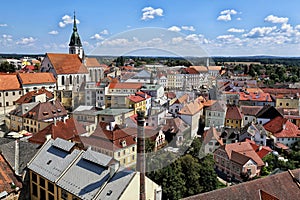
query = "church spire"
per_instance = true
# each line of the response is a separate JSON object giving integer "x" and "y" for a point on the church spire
{"x": 75, "y": 46}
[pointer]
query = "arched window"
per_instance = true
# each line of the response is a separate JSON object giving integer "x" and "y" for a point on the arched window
{"x": 70, "y": 79}
{"x": 62, "y": 80}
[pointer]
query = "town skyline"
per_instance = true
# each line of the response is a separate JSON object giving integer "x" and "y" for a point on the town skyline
{"x": 229, "y": 28}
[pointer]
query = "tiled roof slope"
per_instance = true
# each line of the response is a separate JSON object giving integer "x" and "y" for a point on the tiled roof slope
{"x": 69, "y": 130}
{"x": 282, "y": 128}
{"x": 9, "y": 82}
{"x": 27, "y": 98}
{"x": 67, "y": 63}
{"x": 268, "y": 112}
{"x": 125, "y": 85}
{"x": 233, "y": 112}
{"x": 250, "y": 110}
{"x": 282, "y": 186}
{"x": 92, "y": 62}
{"x": 210, "y": 134}
{"x": 192, "y": 107}
{"x": 216, "y": 107}
{"x": 36, "y": 78}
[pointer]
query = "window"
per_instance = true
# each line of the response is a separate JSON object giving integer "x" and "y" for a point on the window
{"x": 33, "y": 177}
{"x": 7, "y": 103}
{"x": 14, "y": 93}
{"x": 132, "y": 148}
{"x": 42, "y": 182}
{"x": 42, "y": 193}
{"x": 287, "y": 104}
{"x": 20, "y": 92}
{"x": 246, "y": 118}
{"x": 133, "y": 157}
{"x": 119, "y": 154}
{"x": 50, "y": 187}
{"x": 6, "y": 93}
{"x": 124, "y": 152}
{"x": 34, "y": 190}
{"x": 50, "y": 196}
{"x": 62, "y": 80}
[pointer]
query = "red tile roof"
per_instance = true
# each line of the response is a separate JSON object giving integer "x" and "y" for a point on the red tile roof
{"x": 254, "y": 96}
{"x": 192, "y": 107}
{"x": 282, "y": 128}
{"x": 69, "y": 130}
{"x": 233, "y": 112}
{"x": 261, "y": 151}
{"x": 189, "y": 71}
{"x": 244, "y": 148}
{"x": 36, "y": 78}
{"x": 183, "y": 99}
{"x": 136, "y": 99}
{"x": 67, "y": 63}
{"x": 112, "y": 139}
{"x": 250, "y": 110}
{"x": 114, "y": 85}
{"x": 9, "y": 82}
{"x": 92, "y": 62}
{"x": 282, "y": 185}
{"x": 46, "y": 110}
{"x": 7, "y": 177}
{"x": 27, "y": 98}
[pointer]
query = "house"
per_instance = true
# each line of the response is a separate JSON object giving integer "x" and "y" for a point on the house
{"x": 233, "y": 117}
{"x": 215, "y": 115}
{"x": 249, "y": 113}
{"x": 136, "y": 103}
{"x": 116, "y": 93}
{"x": 16, "y": 116}
{"x": 282, "y": 131}
{"x": 177, "y": 105}
{"x": 116, "y": 115}
{"x": 266, "y": 114}
{"x": 41, "y": 95}
{"x": 143, "y": 76}
{"x": 155, "y": 91}
{"x": 255, "y": 98}
{"x": 10, "y": 91}
{"x": 238, "y": 161}
{"x": 254, "y": 132}
{"x": 95, "y": 94}
{"x": 191, "y": 114}
{"x": 114, "y": 141}
{"x": 176, "y": 131}
{"x": 68, "y": 129}
{"x": 42, "y": 115}
{"x": 282, "y": 186}
{"x": 36, "y": 81}
{"x": 211, "y": 140}
{"x": 60, "y": 171}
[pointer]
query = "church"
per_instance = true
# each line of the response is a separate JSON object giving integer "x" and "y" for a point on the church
{"x": 73, "y": 70}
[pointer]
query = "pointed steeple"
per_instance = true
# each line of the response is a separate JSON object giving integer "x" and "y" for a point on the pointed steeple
{"x": 75, "y": 46}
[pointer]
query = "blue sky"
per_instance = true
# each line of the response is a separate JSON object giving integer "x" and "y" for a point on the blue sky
{"x": 219, "y": 27}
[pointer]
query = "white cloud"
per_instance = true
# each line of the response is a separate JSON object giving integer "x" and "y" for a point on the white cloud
{"x": 259, "y": 32}
{"x": 97, "y": 37}
{"x": 188, "y": 28}
{"x": 225, "y": 37}
{"x": 297, "y": 27}
{"x": 235, "y": 30}
{"x": 225, "y": 15}
{"x": 176, "y": 40}
{"x": 104, "y": 32}
{"x": 67, "y": 20}
{"x": 151, "y": 13}
{"x": 276, "y": 20}
{"x": 174, "y": 28}
{"x": 26, "y": 41}
{"x": 3, "y": 25}
{"x": 7, "y": 38}
{"x": 53, "y": 32}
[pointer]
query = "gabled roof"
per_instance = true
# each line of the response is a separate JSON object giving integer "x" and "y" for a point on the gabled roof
{"x": 211, "y": 134}
{"x": 175, "y": 125}
{"x": 92, "y": 62}
{"x": 250, "y": 110}
{"x": 283, "y": 186}
{"x": 233, "y": 112}
{"x": 23, "y": 109}
{"x": 27, "y": 98}
{"x": 50, "y": 162}
{"x": 67, "y": 63}
{"x": 254, "y": 96}
{"x": 69, "y": 130}
{"x": 36, "y": 78}
{"x": 26, "y": 152}
{"x": 182, "y": 99}
{"x": 9, "y": 82}
{"x": 46, "y": 110}
{"x": 125, "y": 85}
{"x": 216, "y": 107}
{"x": 268, "y": 112}
{"x": 192, "y": 107}
{"x": 136, "y": 98}
{"x": 244, "y": 148}
{"x": 282, "y": 128}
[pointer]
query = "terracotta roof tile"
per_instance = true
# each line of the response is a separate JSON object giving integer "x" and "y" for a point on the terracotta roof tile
{"x": 233, "y": 112}
{"x": 66, "y": 130}
{"x": 125, "y": 85}
{"x": 254, "y": 96}
{"x": 200, "y": 69}
{"x": 9, "y": 82}
{"x": 67, "y": 63}
{"x": 136, "y": 98}
{"x": 250, "y": 110}
{"x": 36, "y": 78}
{"x": 183, "y": 99}
{"x": 282, "y": 128}
{"x": 92, "y": 62}
{"x": 192, "y": 107}
{"x": 282, "y": 186}
{"x": 27, "y": 98}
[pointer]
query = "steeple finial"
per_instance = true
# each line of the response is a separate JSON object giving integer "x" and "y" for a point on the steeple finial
{"x": 74, "y": 24}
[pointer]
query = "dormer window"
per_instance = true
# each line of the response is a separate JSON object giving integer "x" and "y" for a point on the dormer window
{"x": 123, "y": 143}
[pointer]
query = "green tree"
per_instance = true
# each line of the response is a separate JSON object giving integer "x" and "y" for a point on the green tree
{"x": 195, "y": 147}
{"x": 6, "y": 67}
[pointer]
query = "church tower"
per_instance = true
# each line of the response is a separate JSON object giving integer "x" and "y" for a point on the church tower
{"x": 75, "y": 46}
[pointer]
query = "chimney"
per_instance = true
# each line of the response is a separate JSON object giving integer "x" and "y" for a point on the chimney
{"x": 140, "y": 164}
{"x": 17, "y": 157}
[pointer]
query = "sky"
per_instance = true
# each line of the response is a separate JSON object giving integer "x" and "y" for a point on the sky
{"x": 189, "y": 27}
